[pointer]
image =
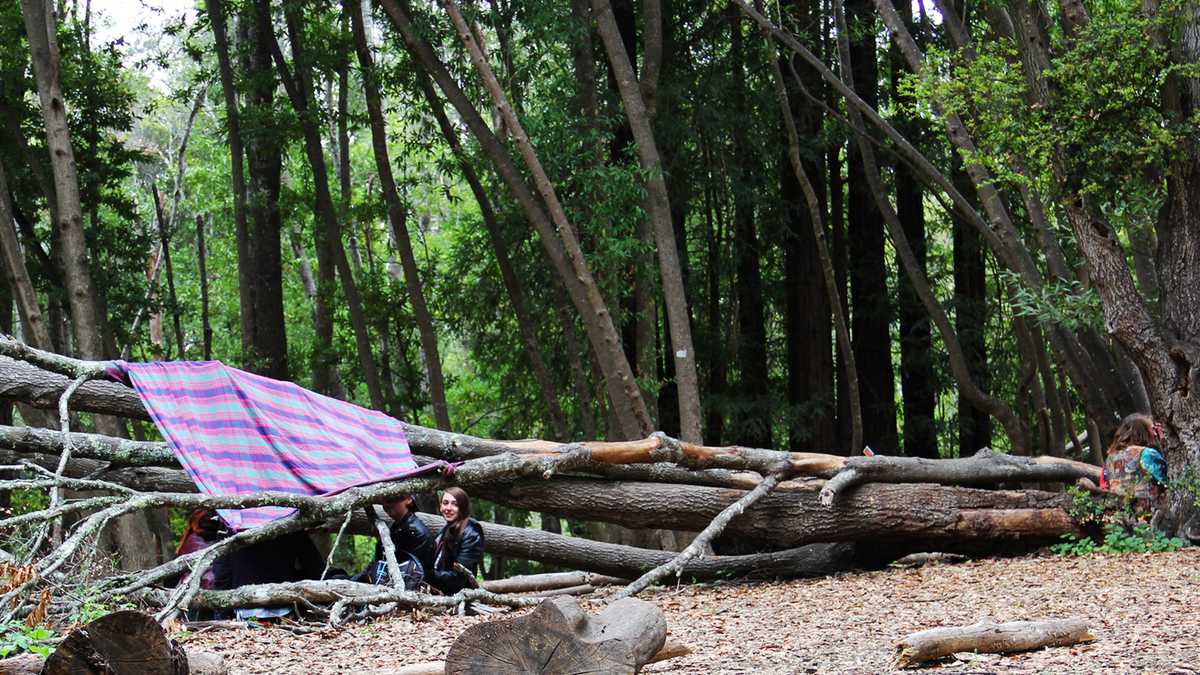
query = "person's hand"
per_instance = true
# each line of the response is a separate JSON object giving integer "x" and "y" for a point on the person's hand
{"x": 1157, "y": 431}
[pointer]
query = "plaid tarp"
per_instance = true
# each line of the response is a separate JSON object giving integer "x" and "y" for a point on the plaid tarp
{"x": 239, "y": 433}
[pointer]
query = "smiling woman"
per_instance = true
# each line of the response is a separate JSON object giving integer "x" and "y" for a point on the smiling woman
{"x": 459, "y": 548}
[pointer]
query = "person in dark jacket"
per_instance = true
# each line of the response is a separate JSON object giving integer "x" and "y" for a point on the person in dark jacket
{"x": 461, "y": 541}
{"x": 412, "y": 539}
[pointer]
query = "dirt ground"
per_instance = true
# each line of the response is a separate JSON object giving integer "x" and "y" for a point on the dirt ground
{"x": 1142, "y": 608}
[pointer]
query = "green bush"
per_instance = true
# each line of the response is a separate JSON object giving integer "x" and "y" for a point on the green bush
{"x": 1118, "y": 540}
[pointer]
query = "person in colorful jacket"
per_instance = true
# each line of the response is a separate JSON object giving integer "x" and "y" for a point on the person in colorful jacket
{"x": 1133, "y": 466}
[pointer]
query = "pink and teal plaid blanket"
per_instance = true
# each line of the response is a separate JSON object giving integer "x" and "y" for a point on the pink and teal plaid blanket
{"x": 239, "y": 433}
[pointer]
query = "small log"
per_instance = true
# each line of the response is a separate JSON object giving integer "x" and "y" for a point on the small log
{"x": 533, "y": 583}
{"x": 989, "y": 637}
{"x": 559, "y": 637}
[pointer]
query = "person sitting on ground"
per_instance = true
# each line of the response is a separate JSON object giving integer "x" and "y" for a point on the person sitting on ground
{"x": 459, "y": 548}
{"x": 1134, "y": 468}
{"x": 413, "y": 542}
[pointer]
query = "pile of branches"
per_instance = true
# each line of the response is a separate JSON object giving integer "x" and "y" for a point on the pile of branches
{"x": 807, "y": 510}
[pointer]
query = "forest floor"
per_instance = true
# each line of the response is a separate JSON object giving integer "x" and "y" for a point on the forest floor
{"x": 1142, "y": 609}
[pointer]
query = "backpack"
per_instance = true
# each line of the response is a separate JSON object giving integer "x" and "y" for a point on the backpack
{"x": 411, "y": 571}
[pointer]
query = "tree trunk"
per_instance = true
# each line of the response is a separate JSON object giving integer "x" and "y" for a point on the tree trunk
{"x": 970, "y": 322}
{"x": 19, "y": 285}
{"x": 268, "y": 341}
{"x": 810, "y": 375}
{"x": 753, "y": 425}
{"x": 559, "y": 638}
{"x": 164, "y": 237}
{"x": 640, "y": 119}
{"x": 201, "y": 260}
{"x": 398, "y": 219}
{"x": 871, "y": 310}
{"x": 41, "y": 29}
{"x": 216, "y": 18}
{"x": 917, "y": 383}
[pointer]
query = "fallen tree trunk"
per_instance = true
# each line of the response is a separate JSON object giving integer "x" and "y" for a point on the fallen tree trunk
{"x": 559, "y": 637}
{"x": 874, "y": 511}
{"x": 989, "y": 637}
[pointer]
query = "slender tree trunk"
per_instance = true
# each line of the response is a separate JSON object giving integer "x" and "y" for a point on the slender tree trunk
{"x": 753, "y": 425}
{"x": 41, "y": 30}
{"x": 970, "y": 312}
{"x": 810, "y": 388}
{"x": 555, "y": 233}
{"x": 164, "y": 237}
{"x": 216, "y": 17}
{"x": 398, "y": 219}
{"x": 917, "y": 383}
{"x": 714, "y": 426}
{"x": 202, "y": 262}
{"x": 871, "y": 309}
{"x": 512, "y": 283}
{"x": 268, "y": 341}
{"x": 299, "y": 89}
{"x": 18, "y": 285}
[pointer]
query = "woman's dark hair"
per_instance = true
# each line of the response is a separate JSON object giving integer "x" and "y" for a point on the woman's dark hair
{"x": 454, "y": 530}
{"x": 1135, "y": 429}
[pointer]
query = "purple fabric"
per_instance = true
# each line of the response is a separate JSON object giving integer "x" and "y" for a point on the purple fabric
{"x": 239, "y": 433}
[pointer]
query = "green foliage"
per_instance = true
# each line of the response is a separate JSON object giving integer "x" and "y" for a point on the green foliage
{"x": 1118, "y": 540}
{"x": 1085, "y": 509}
{"x": 17, "y": 637}
{"x": 1065, "y": 303}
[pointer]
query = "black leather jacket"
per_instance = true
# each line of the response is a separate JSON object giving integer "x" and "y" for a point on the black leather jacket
{"x": 409, "y": 535}
{"x": 469, "y": 554}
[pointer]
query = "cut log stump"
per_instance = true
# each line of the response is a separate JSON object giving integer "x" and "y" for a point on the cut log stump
{"x": 559, "y": 637}
{"x": 989, "y": 637}
{"x": 121, "y": 643}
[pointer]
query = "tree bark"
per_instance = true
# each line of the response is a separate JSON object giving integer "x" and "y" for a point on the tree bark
{"x": 20, "y": 286}
{"x": 810, "y": 373}
{"x": 268, "y": 341}
{"x": 753, "y": 424}
{"x": 398, "y": 219}
{"x": 164, "y": 236}
{"x": 990, "y": 638}
{"x": 201, "y": 261}
{"x": 640, "y": 114}
{"x": 216, "y": 18}
{"x": 871, "y": 310}
{"x": 41, "y": 29}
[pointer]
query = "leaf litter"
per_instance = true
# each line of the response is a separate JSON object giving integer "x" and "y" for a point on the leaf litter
{"x": 1142, "y": 609}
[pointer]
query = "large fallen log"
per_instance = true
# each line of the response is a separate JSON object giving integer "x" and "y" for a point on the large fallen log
{"x": 874, "y": 511}
{"x": 559, "y": 637}
{"x": 989, "y": 637}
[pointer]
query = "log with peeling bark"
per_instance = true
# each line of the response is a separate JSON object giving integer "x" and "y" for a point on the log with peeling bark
{"x": 532, "y": 583}
{"x": 989, "y": 637}
{"x": 559, "y": 637}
